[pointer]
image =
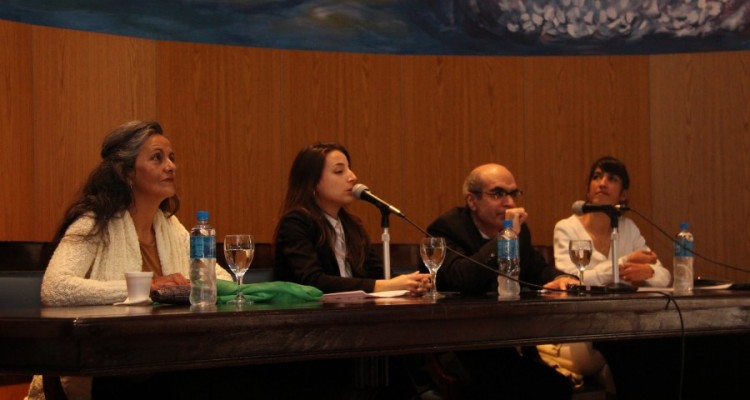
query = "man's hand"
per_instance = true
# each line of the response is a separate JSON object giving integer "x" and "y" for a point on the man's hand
{"x": 518, "y": 215}
{"x": 562, "y": 282}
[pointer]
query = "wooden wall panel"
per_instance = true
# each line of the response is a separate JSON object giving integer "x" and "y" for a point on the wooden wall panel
{"x": 353, "y": 99}
{"x": 415, "y": 126}
{"x": 220, "y": 104}
{"x": 579, "y": 109}
{"x": 16, "y": 134}
{"x": 700, "y": 124}
{"x": 459, "y": 112}
{"x": 83, "y": 86}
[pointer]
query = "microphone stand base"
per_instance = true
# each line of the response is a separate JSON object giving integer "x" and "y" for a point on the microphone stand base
{"x": 621, "y": 288}
{"x": 609, "y": 289}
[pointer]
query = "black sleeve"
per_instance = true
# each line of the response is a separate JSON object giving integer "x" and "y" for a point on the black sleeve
{"x": 460, "y": 274}
{"x": 298, "y": 260}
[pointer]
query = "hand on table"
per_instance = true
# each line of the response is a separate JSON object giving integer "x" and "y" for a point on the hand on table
{"x": 562, "y": 282}
{"x": 169, "y": 280}
{"x": 415, "y": 283}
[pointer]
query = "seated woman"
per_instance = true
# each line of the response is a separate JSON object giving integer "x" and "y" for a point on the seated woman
{"x": 317, "y": 241}
{"x": 608, "y": 183}
{"x": 123, "y": 221}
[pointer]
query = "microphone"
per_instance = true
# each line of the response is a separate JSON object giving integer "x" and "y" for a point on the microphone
{"x": 362, "y": 192}
{"x": 580, "y": 207}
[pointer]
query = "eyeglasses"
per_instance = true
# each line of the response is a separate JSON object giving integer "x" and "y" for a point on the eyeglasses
{"x": 497, "y": 194}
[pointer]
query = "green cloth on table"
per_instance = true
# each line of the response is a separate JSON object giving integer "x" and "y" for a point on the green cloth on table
{"x": 267, "y": 292}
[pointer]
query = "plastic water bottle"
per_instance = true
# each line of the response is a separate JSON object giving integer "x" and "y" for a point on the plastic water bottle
{"x": 508, "y": 262}
{"x": 202, "y": 262}
{"x": 683, "y": 260}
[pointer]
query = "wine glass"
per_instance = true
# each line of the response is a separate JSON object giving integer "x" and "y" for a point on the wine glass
{"x": 239, "y": 251}
{"x": 580, "y": 253}
{"x": 432, "y": 250}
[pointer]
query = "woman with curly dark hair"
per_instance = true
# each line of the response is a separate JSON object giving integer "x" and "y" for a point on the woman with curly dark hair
{"x": 123, "y": 221}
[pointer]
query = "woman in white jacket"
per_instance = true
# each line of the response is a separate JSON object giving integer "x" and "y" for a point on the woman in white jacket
{"x": 608, "y": 183}
{"x": 123, "y": 221}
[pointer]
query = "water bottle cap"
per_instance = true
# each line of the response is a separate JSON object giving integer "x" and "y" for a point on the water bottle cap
{"x": 684, "y": 226}
{"x": 508, "y": 223}
{"x": 202, "y": 215}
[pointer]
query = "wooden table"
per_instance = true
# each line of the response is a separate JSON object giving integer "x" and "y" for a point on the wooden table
{"x": 108, "y": 340}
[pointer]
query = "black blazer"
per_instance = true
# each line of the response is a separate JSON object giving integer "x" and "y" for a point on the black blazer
{"x": 299, "y": 259}
{"x": 459, "y": 274}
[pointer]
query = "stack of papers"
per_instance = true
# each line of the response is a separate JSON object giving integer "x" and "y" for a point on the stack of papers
{"x": 361, "y": 294}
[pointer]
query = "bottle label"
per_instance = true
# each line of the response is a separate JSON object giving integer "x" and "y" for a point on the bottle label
{"x": 683, "y": 248}
{"x": 202, "y": 247}
{"x": 507, "y": 249}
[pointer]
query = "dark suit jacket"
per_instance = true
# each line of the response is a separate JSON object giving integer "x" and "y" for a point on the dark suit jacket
{"x": 459, "y": 274}
{"x": 299, "y": 259}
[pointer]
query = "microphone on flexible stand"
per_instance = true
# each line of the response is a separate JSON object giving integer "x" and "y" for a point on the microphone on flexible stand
{"x": 362, "y": 192}
{"x": 580, "y": 207}
{"x": 614, "y": 211}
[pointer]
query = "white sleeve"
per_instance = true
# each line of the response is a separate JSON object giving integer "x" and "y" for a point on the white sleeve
{"x": 65, "y": 281}
{"x": 632, "y": 240}
{"x": 560, "y": 239}
{"x": 598, "y": 273}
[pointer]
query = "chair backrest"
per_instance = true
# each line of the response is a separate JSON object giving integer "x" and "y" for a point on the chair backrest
{"x": 261, "y": 269}
{"x": 19, "y": 289}
{"x": 405, "y": 257}
{"x": 547, "y": 252}
{"x": 22, "y": 266}
{"x": 25, "y": 256}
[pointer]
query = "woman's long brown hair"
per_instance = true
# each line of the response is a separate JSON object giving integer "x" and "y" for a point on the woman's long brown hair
{"x": 107, "y": 192}
{"x": 304, "y": 176}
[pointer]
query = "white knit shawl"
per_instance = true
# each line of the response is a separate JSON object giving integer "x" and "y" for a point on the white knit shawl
{"x": 90, "y": 272}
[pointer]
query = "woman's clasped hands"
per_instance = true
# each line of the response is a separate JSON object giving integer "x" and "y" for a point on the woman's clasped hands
{"x": 637, "y": 266}
{"x": 416, "y": 283}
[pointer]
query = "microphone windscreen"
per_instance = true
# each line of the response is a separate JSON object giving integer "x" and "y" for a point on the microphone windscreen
{"x": 358, "y": 189}
{"x": 578, "y": 207}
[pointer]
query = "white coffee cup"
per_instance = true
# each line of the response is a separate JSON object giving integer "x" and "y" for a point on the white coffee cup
{"x": 139, "y": 286}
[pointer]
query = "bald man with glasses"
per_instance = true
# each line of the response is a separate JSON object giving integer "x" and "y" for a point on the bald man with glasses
{"x": 490, "y": 192}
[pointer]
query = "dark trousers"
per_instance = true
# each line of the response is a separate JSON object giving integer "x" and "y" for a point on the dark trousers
{"x": 505, "y": 374}
{"x": 321, "y": 379}
{"x": 713, "y": 367}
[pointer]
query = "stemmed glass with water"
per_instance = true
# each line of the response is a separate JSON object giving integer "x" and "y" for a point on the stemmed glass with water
{"x": 239, "y": 251}
{"x": 580, "y": 253}
{"x": 432, "y": 250}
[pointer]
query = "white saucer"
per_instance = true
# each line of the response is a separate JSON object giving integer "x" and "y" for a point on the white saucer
{"x": 710, "y": 284}
{"x": 145, "y": 302}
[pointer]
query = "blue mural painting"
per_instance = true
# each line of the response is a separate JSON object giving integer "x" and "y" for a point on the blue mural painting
{"x": 481, "y": 27}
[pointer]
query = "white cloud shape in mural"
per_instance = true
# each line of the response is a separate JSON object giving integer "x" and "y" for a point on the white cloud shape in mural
{"x": 630, "y": 20}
